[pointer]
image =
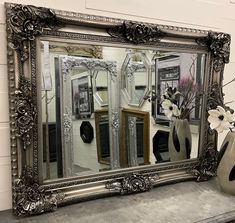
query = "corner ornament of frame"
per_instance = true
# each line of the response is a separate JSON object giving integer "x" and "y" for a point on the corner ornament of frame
{"x": 27, "y": 22}
{"x": 29, "y": 198}
{"x": 219, "y": 45}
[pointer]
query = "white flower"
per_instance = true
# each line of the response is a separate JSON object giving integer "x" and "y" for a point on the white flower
{"x": 220, "y": 119}
{"x": 170, "y": 109}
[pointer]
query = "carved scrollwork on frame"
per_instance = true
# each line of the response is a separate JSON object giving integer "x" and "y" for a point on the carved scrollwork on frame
{"x": 215, "y": 97}
{"x": 132, "y": 183}
{"x": 115, "y": 120}
{"x": 67, "y": 124}
{"x": 26, "y": 23}
{"x": 207, "y": 165}
{"x": 136, "y": 33}
{"x": 219, "y": 45}
{"x": 133, "y": 67}
{"x": 30, "y": 198}
{"x": 131, "y": 125}
{"x": 25, "y": 112}
{"x": 90, "y": 64}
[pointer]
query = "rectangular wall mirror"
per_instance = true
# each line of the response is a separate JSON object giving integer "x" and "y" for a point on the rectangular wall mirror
{"x": 102, "y": 106}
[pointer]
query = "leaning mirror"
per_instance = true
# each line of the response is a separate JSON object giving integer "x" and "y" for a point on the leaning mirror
{"x": 102, "y": 106}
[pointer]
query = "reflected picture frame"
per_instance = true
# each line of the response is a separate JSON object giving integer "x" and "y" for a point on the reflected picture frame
{"x": 81, "y": 98}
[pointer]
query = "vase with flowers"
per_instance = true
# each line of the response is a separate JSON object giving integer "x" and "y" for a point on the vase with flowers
{"x": 177, "y": 105}
{"x": 222, "y": 119}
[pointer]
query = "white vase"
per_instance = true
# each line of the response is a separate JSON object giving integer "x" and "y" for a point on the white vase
{"x": 180, "y": 140}
{"x": 226, "y": 164}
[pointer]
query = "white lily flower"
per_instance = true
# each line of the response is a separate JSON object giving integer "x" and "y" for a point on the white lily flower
{"x": 220, "y": 119}
{"x": 170, "y": 109}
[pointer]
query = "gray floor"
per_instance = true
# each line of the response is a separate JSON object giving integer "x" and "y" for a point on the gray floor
{"x": 181, "y": 202}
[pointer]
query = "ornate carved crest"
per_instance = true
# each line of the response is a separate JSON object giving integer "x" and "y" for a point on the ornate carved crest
{"x": 27, "y": 22}
{"x": 219, "y": 45}
{"x": 29, "y": 198}
{"x": 136, "y": 33}
{"x": 25, "y": 112}
{"x": 132, "y": 184}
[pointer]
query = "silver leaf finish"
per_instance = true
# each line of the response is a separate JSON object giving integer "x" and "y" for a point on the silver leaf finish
{"x": 133, "y": 183}
{"x": 25, "y": 112}
{"x": 30, "y": 198}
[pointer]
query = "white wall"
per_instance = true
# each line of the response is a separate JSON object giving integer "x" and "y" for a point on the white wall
{"x": 203, "y": 14}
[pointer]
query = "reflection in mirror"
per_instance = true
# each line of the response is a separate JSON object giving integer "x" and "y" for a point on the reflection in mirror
{"x": 177, "y": 96}
{"x": 76, "y": 91}
{"x": 135, "y": 138}
{"x": 102, "y": 137}
{"x": 82, "y": 104}
{"x": 78, "y": 153}
{"x": 100, "y": 87}
{"x": 136, "y": 73}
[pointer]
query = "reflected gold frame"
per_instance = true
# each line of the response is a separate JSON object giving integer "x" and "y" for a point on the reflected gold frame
{"x": 125, "y": 126}
{"x": 98, "y": 114}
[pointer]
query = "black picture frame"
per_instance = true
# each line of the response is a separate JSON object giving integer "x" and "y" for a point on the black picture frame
{"x": 81, "y": 97}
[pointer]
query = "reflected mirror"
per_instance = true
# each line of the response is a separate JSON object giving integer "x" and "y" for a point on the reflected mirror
{"x": 100, "y": 87}
{"x": 77, "y": 91}
{"x": 136, "y": 74}
{"x": 102, "y": 137}
{"x": 135, "y": 138}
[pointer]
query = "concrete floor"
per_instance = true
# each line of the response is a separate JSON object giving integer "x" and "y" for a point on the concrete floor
{"x": 182, "y": 202}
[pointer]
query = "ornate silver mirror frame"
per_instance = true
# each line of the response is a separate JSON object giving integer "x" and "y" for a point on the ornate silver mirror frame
{"x": 25, "y": 24}
{"x": 67, "y": 63}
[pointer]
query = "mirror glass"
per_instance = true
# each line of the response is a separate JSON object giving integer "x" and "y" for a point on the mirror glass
{"x": 177, "y": 91}
{"x": 102, "y": 137}
{"x": 136, "y": 72}
{"x": 160, "y": 96}
{"x": 101, "y": 90}
{"x": 135, "y": 148}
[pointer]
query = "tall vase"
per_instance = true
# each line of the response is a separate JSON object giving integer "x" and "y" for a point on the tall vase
{"x": 180, "y": 140}
{"x": 226, "y": 164}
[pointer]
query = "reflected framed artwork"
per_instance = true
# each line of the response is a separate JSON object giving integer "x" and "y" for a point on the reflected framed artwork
{"x": 81, "y": 102}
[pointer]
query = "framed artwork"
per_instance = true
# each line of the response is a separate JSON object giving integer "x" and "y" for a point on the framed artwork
{"x": 167, "y": 77}
{"x": 81, "y": 98}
